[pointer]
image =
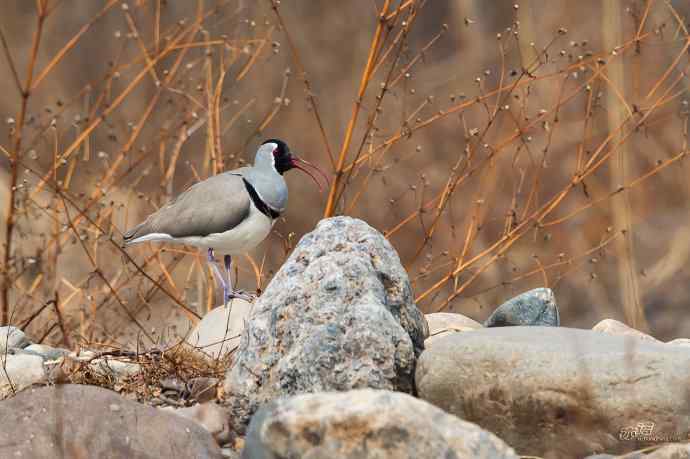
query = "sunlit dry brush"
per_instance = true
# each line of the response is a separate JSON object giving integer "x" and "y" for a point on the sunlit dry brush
{"x": 494, "y": 155}
{"x": 552, "y": 150}
{"x": 79, "y": 168}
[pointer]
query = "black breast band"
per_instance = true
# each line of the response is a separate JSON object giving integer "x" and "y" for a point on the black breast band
{"x": 262, "y": 206}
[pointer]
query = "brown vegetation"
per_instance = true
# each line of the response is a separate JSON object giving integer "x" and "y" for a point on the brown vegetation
{"x": 498, "y": 146}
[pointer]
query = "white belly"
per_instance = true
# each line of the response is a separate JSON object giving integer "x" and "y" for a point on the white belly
{"x": 242, "y": 238}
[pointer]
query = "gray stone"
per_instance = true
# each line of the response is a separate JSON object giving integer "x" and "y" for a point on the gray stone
{"x": 88, "y": 421}
{"x": 203, "y": 389}
{"x": 669, "y": 451}
{"x": 558, "y": 392}
{"x": 82, "y": 355}
{"x": 365, "y": 424}
{"x": 536, "y": 307}
{"x": 230, "y": 453}
{"x": 614, "y": 327}
{"x": 114, "y": 368}
{"x": 218, "y": 333}
{"x": 45, "y": 351}
{"x": 338, "y": 315}
{"x": 441, "y": 323}
{"x": 12, "y": 337}
{"x": 210, "y": 416}
{"x": 17, "y": 372}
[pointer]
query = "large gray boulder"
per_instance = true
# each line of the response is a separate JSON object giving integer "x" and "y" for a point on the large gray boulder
{"x": 338, "y": 315}
{"x": 88, "y": 421}
{"x": 363, "y": 424}
{"x": 559, "y": 392}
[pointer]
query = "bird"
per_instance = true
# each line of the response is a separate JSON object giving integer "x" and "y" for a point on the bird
{"x": 231, "y": 212}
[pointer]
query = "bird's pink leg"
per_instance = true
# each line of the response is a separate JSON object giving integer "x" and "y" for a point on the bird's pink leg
{"x": 218, "y": 275}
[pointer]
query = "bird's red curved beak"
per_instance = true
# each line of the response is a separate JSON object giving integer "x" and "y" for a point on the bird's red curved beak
{"x": 299, "y": 163}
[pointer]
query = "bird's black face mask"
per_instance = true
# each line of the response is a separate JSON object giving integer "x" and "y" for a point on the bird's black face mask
{"x": 284, "y": 160}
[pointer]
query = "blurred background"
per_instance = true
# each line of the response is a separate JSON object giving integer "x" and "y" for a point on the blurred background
{"x": 500, "y": 146}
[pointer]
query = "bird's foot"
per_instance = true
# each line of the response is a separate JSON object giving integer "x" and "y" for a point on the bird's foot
{"x": 240, "y": 294}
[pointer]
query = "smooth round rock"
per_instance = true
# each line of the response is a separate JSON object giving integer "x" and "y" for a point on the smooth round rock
{"x": 366, "y": 424}
{"x": 218, "y": 333}
{"x": 558, "y": 392}
{"x": 441, "y": 323}
{"x": 17, "y": 372}
{"x": 614, "y": 327}
{"x": 86, "y": 421}
{"x": 12, "y": 337}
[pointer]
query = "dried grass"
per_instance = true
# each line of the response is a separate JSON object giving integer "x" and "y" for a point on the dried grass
{"x": 535, "y": 155}
{"x": 180, "y": 364}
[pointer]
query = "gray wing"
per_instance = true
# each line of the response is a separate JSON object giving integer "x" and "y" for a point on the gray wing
{"x": 214, "y": 205}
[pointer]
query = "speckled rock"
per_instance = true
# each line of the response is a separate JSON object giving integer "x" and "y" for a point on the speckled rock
{"x": 12, "y": 337}
{"x": 219, "y": 331}
{"x": 535, "y": 307}
{"x": 338, "y": 315}
{"x": 558, "y": 392}
{"x": 614, "y": 327}
{"x": 442, "y": 323}
{"x": 17, "y": 372}
{"x": 87, "y": 421}
{"x": 365, "y": 424}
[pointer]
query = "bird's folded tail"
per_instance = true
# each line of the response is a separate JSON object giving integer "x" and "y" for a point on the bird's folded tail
{"x": 134, "y": 235}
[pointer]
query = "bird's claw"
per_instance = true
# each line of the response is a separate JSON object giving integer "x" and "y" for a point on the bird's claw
{"x": 240, "y": 294}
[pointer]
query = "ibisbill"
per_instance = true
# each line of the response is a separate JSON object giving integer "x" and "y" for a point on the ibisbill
{"x": 230, "y": 213}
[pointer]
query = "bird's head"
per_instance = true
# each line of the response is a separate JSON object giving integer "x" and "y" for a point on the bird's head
{"x": 276, "y": 154}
